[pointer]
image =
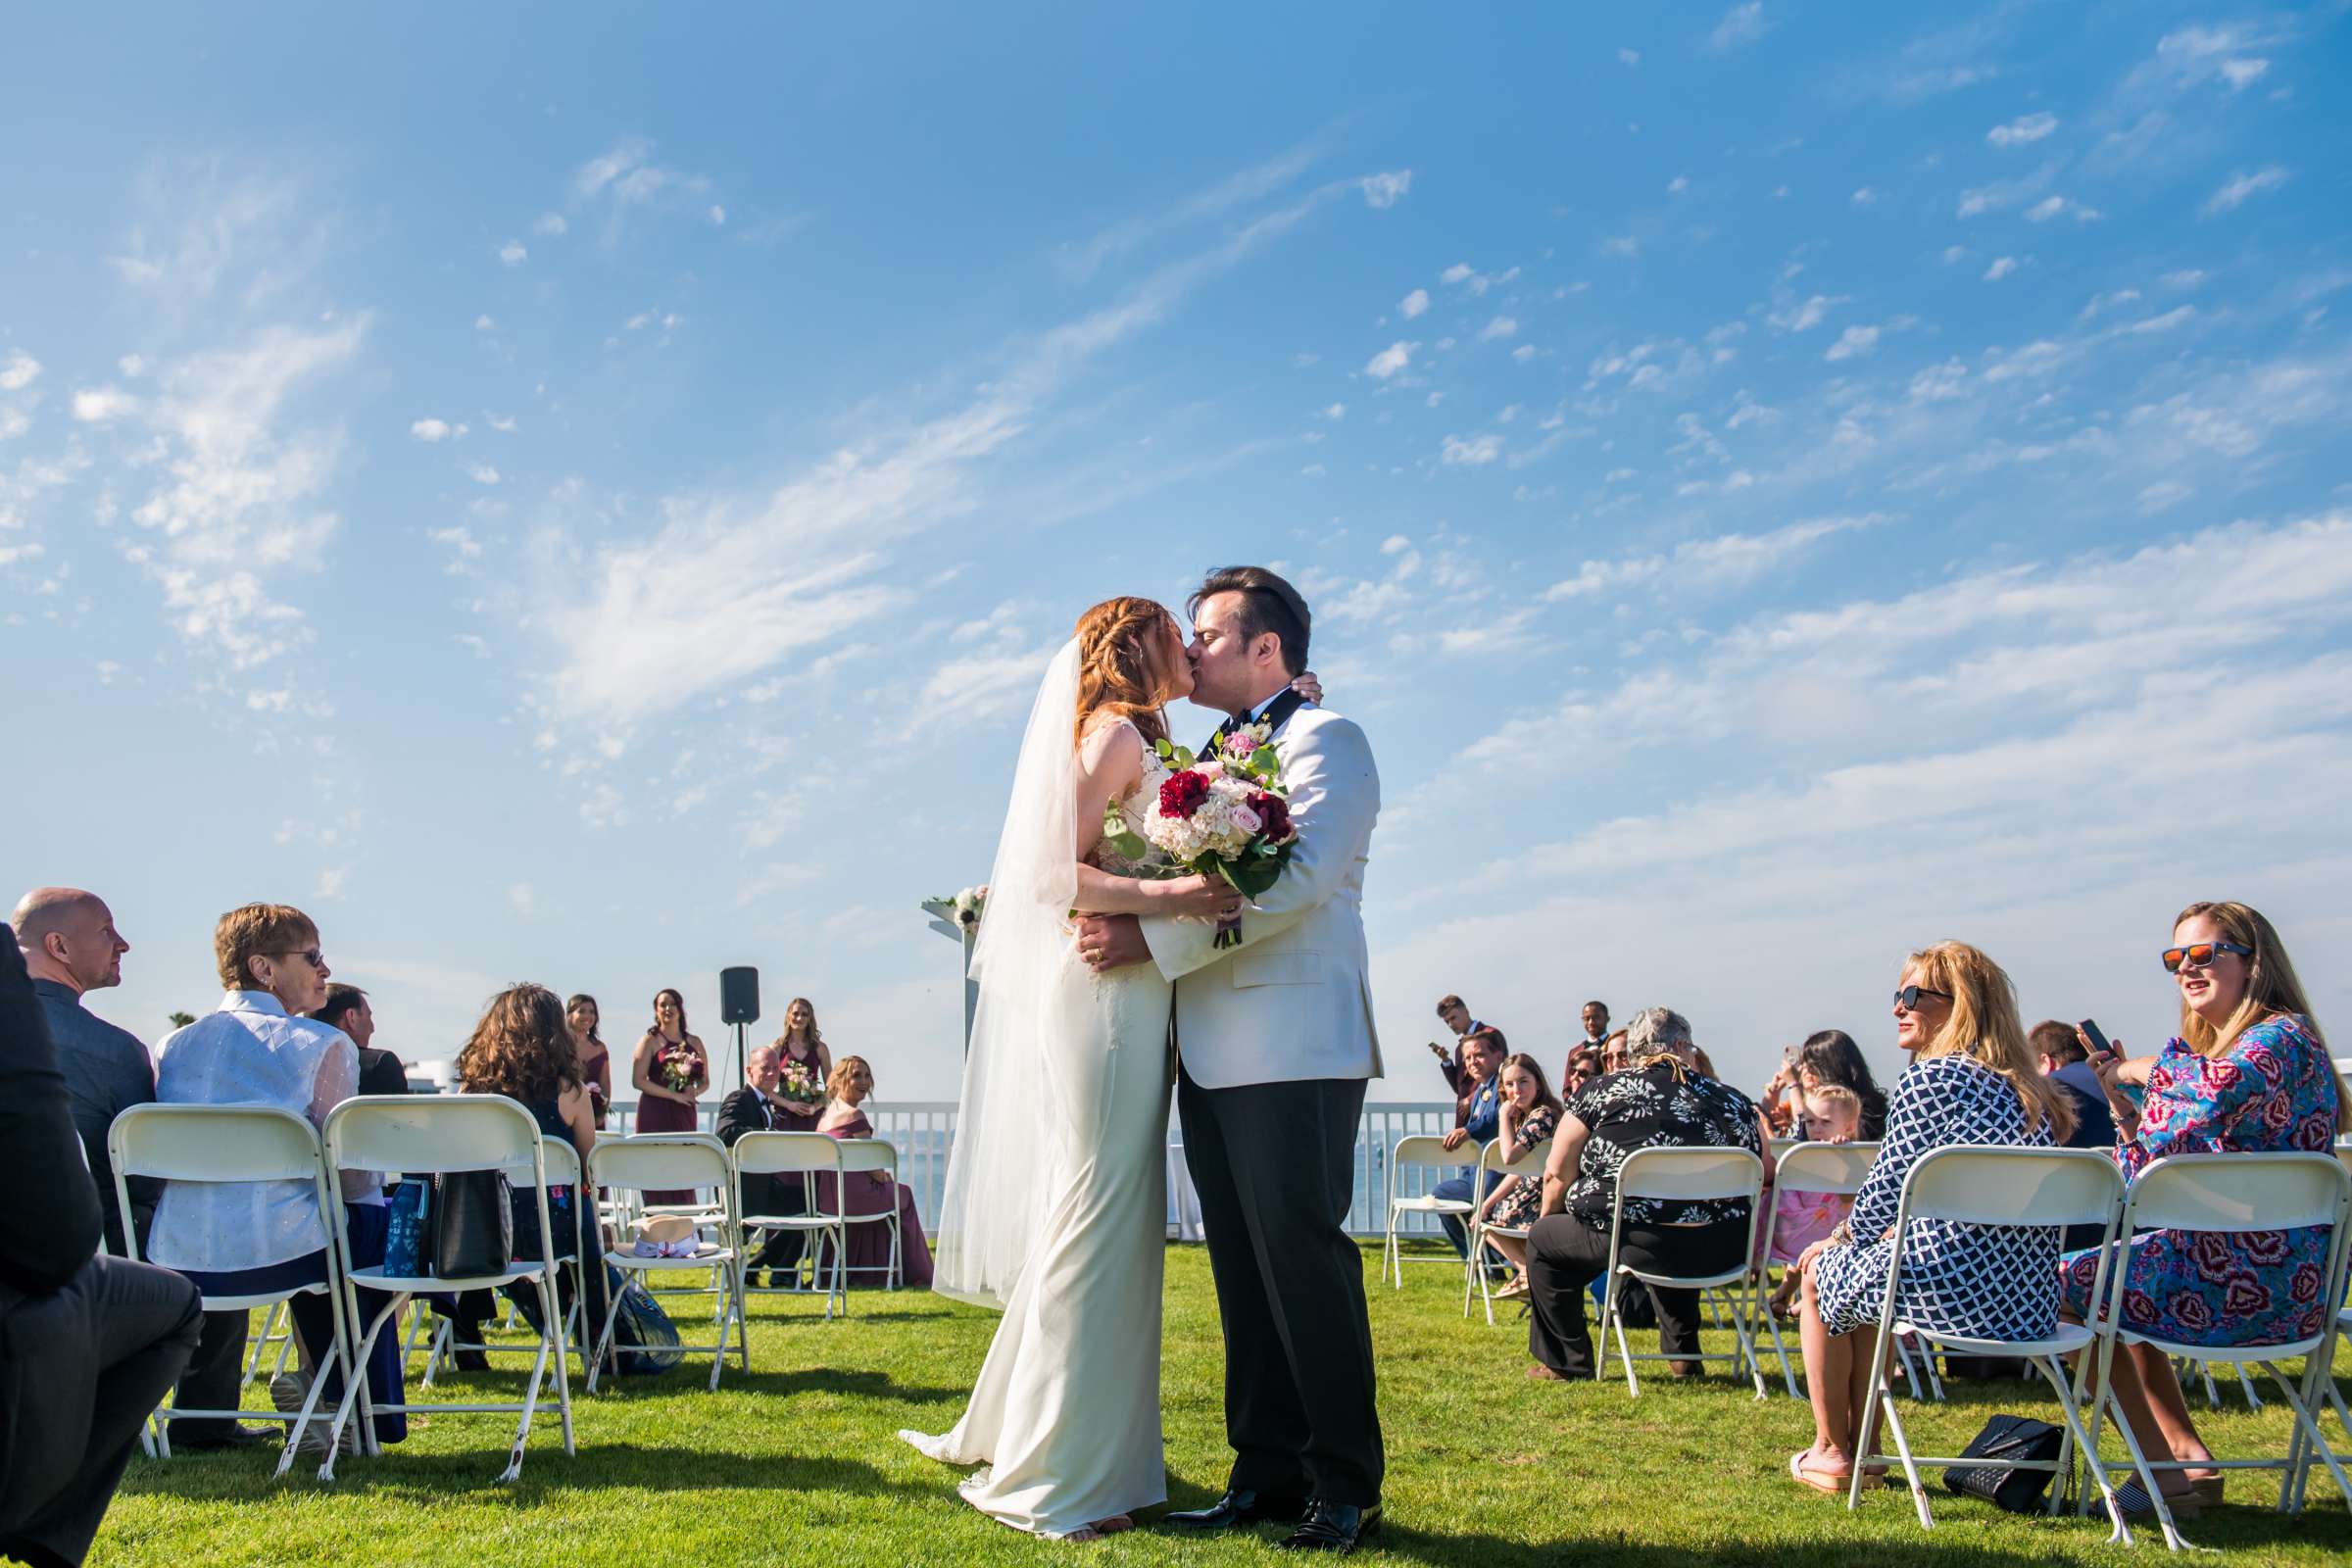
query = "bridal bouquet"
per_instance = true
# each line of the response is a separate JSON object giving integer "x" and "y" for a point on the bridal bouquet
{"x": 1224, "y": 815}
{"x": 679, "y": 1067}
{"x": 797, "y": 1080}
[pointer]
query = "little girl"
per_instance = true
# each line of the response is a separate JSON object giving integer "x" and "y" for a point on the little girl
{"x": 1832, "y": 1115}
{"x": 1531, "y": 1115}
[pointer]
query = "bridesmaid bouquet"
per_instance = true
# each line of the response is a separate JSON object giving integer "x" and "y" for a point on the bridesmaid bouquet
{"x": 680, "y": 1068}
{"x": 1224, "y": 815}
{"x": 798, "y": 1081}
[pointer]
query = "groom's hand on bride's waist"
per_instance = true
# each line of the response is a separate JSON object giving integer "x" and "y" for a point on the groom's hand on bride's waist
{"x": 1111, "y": 942}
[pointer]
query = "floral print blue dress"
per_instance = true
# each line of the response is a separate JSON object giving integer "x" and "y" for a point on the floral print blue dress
{"x": 2274, "y": 1090}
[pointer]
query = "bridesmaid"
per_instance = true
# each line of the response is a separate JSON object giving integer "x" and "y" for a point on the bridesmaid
{"x": 660, "y": 1108}
{"x": 802, "y": 1046}
{"x": 848, "y": 1084}
{"x": 596, "y": 1058}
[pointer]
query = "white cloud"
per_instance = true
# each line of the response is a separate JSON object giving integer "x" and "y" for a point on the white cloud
{"x": 522, "y": 899}
{"x": 18, "y": 371}
{"x": 2242, "y": 73}
{"x": 1853, "y": 341}
{"x": 1458, "y": 273}
{"x": 2050, "y": 207}
{"x": 1718, "y": 561}
{"x": 2005, "y": 193}
{"x": 1678, "y": 185}
{"x": 483, "y": 324}
{"x": 1741, "y": 24}
{"x": 1413, "y": 303}
{"x": 1386, "y": 189}
{"x": 717, "y": 215}
{"x": 1472, "y": 452}
{"x": 2024, "y": 129}
{"x": 100, "y": 404}
{"x": 502, "y": 423}
{"x": 481, "y": 474}
{"x": 1338, "y": 410}
{"x": 1499, "y": 328}
{"x": 1630, "y": 57}
{"x": 2233, "y": 195}
{"x": 1524, "y": 352}
{"x": 1391, "y": 360}
{"x": 435, "y": 430}
{"x": 132, "y": 366}
{"x": 1805, "y": 317}
{"x": 550, "y": 226}
{"x": 513, "y": 253}
{"x": 1865, "y": 197}
{"x": 14, "y": 421}
{"x": 2002, "y": 267}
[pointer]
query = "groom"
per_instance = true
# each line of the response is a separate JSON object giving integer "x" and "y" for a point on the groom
{"x": 1274, "y": 1042}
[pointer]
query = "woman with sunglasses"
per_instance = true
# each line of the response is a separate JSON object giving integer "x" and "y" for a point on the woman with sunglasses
{"x": 2248, "y": 1073}
{"x": 1971, "y": 1081}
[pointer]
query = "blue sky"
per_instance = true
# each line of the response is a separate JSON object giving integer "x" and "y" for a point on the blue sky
{"x": 585, "y": 497}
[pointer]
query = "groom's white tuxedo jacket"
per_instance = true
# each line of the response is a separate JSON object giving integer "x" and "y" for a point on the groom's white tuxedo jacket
{"x": 1294, "y": 999}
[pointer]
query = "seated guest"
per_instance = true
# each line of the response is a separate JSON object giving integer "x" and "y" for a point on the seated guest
{"x": 596, "y": 1057}
{"x": 524, "y": 1048}
{"x": 1531, "y": 1115}
{"x": 1831, "y": 1057}
{"x": 1971, "y": 1081}
{"x": 1833, "y": 1114}
{"x": 1660, "y": 1102}
{"x": 88, "y": 1345}
{"x": 870, "y": 1192}
{"x": 1455, "y": 1013}
{"x": 380, "y": 1071}
{"x": 70, "y": 949}
{"x": 1613, "y": 1054}
{"x": 2063, "y": 1058}
{"x": 240, "y": 1238}
{"x": 760, "y": 1107}
{"x": 2248, "y": 1073}
{"x": 1477, "y": 1117}
{"x": 1583, "y": 1065}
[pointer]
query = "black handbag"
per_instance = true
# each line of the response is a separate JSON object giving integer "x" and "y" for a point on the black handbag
{"x": 2008, "y": 1436}
{"x": 473, "y": 1224}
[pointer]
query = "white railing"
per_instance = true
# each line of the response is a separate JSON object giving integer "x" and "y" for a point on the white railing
{"x": 925, "y": 1130}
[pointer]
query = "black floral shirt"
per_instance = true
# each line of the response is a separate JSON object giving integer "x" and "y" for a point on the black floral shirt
{"x": 1648, "y": 1108}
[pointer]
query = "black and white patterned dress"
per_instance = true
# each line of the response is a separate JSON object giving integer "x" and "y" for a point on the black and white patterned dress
{"x": 1656, "y": 1106}
{"x": 1993, "y": 1282}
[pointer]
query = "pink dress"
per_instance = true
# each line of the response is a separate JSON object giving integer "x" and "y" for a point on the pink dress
{"x": 870, "y": 1245}
{"x": 1803, "y": 1219}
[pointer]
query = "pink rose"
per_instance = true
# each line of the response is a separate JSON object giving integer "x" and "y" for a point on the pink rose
{"x": 1247, "y": 821}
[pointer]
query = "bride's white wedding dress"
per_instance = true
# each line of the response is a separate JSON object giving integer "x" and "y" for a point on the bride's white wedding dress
{"x": 1064, "y": 1418}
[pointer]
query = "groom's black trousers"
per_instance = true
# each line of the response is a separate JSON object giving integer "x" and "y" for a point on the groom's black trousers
{"x": 1275, "y": 1167}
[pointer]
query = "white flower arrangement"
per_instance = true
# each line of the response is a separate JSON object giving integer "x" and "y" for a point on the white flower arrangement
{"x": 968, "y": 906}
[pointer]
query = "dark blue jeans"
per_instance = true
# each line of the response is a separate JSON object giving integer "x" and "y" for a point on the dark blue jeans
{"x": 1457, "y": 1188}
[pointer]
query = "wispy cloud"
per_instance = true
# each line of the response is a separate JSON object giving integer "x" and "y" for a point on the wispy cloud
{"x": 1742, "y": 24}
{"x": 2234, "y": 194}
{"x": 2021, "y": 130}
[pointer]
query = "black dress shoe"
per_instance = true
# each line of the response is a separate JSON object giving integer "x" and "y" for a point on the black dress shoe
{"x": 236, "y": 1437}
{"x": 1237, "y": 1508}
{"x": 1331, "y": 1527}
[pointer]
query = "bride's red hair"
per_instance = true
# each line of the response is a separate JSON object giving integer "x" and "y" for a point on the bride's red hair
{"x": 1119, "y": 670}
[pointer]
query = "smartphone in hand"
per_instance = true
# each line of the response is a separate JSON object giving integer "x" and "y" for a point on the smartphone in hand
{"x": 2098, "y": 1041}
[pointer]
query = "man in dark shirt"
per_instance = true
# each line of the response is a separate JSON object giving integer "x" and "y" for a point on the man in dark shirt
{"x": 71, "y": 948}
{"x": 348, "y": 1009}
{"x": 2067, "y": 1065}
{"x": 755, "y": 1108}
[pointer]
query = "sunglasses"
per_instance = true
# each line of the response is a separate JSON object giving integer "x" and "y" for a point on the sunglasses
{"x": 310, "y": 956}
{"x": 1907, "y": 999}
{"x": 2197, "y": 954}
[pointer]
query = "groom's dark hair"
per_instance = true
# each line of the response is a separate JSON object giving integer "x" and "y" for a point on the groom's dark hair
{"x": 1269, "y": 604}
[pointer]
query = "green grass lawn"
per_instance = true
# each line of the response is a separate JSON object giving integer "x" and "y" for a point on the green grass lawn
{"x": 797, "y": 1463}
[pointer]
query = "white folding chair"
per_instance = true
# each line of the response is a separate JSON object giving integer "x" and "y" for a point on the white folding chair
{"x": 780, "y": 1154}
{"x": 431, "y": 1135}
{"x": 1802, "y": 1167}
{"x": 2323, "y": 1365}
{"x": 1425, "y": 1151}
{"x": 1689, "y": 1175}
{"x": 1977, "y": 1185}
{"x": 877, "y": 1156}
{"x": 1491, "y": 1166}
{"x": 2240, "y": 1191}
{"x": 562, "y": 1163}
{"x": 676, "y": 1161}
{"x": 232, "y": 1144}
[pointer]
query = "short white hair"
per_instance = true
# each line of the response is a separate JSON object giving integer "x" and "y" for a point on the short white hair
{"x": 1654, "y": 1031}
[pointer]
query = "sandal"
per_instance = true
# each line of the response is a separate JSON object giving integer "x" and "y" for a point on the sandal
{"x": 1826, "y": 1483}
{"x": 1514, "y": 1290}
{"x": 2132, "y": 1499}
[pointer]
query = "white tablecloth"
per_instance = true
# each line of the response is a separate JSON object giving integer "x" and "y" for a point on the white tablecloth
{"x": 1184, "y": 1201}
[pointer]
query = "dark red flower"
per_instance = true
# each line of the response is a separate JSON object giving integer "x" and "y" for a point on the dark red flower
{"x": 2264, "y": 1249}
{"x": 2190, "y": 1311}
{"x": 2244, "y": 1296}
{"x": 1182, "y": 794}
{"x": 2210, "y": 1251}
{"x": 1275, "y": 812}
{"x": 2303, "y": 1285}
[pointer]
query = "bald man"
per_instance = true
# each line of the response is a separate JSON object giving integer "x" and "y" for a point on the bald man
{"x": 71, "y": 948}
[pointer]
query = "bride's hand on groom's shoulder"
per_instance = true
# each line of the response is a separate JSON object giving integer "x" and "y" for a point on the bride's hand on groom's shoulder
{"x": 1309, "y": 687}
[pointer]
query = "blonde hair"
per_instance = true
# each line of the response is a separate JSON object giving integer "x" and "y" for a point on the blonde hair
{"x": 1984, "y": 1026}
{"x": 815, "y": 1037}
{"x": 2271, "y": 989}
{"x": 258, "y": 931}
{"x": 843, "y": 1072}
{"x": 1835, "y": 1099}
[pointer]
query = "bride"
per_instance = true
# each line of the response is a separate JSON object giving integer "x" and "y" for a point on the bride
{"x": 1057, "y": 1198}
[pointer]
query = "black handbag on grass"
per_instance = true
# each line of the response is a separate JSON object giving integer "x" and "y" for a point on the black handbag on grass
{"x": 472, "y": 1223}
{"x": 2008, "y": 1436}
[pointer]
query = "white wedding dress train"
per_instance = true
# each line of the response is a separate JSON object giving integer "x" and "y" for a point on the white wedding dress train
{"x": 1064, "y": 1419}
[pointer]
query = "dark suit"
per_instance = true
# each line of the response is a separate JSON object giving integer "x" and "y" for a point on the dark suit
{"x": 748, "y": 1111}
{"x": 380, "y": 1072}
{"x": 87, "y": 1344}
{"x": 2095, "y": 1128}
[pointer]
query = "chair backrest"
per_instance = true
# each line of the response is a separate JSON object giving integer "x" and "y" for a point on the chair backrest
{"x": 563, "y": 1165}
{"x": 1838, "y": 1168}
{"x": 869, "y": 1154}
{"x": 423, "y": 1135}
{"x": 1691, "y": 1173}
{"x": 1427, "y": 1148}
{"x": 659, "y": 1160}
{"x": 2003, "y": 1185}
{"x": 776, "y": 1153}
{"x": 2281, "y": 1191}
{"x": 1490, "y": 1161}
{"x": 213, "y": 1144}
